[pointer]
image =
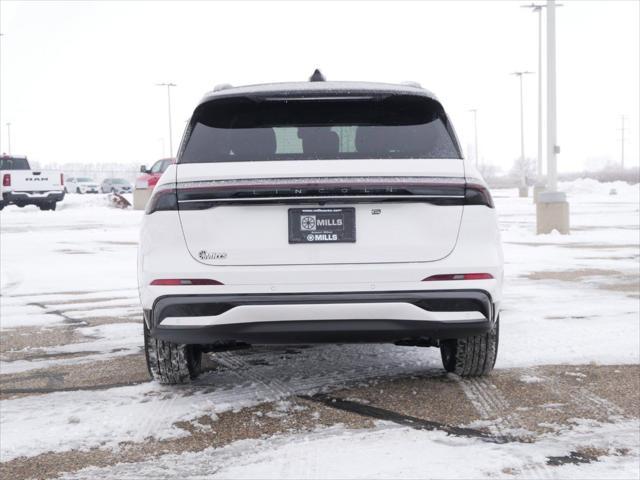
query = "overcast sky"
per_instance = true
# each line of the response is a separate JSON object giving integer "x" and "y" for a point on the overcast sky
{"x": 77, "y": 79}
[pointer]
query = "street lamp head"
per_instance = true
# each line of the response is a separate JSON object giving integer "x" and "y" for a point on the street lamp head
{"x": 538, "y": 7}
{"x": 534, "y": 7}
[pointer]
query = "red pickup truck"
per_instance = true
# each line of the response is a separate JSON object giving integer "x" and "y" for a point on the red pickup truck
{"x": 150, "y": 176}
{"x": 147, "y": 181}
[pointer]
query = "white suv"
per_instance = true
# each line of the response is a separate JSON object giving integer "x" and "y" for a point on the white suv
{"x": 319, "y": 212}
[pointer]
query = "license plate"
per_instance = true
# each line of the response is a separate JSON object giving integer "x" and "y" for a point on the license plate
{"x": 322, "y": 225}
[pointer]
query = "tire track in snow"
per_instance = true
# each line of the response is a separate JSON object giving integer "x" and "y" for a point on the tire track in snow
{"x": 586, "y": 398}
{"x": 314, "y": 382}
{"x": 245, "y": 370}
{"x": 489, "y": 403}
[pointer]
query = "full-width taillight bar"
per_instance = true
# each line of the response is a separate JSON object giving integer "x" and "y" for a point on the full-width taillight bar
{"x": 197, "y": 195}
{"x": 185, "y": 281}
{"x": 458, "y": 276}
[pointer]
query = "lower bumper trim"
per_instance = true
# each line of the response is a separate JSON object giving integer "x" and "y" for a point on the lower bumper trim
{"x": 468, "y": 312}
{"x": 322, "y": 331}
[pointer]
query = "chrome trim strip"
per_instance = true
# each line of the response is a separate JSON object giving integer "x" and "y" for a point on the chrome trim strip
{"x": 321, "y": 181}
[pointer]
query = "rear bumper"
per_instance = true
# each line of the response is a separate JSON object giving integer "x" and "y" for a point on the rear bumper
{"x": 34, "y": 198}
{"x": 328, "y": 317}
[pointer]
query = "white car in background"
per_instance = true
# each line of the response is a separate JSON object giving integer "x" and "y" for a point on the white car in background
{"x": 81, "y": 185}
{"x": 116, "y": 185}
{"x": 320, "y": 212}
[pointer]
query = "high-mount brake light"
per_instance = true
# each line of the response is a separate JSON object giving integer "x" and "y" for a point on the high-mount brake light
{"x": 458, "y": 276}
{"x": 185, "y": 281}
{"x": 6, "y": 180}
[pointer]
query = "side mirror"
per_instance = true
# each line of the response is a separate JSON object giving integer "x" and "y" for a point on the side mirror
{"x": 143, "y": 169}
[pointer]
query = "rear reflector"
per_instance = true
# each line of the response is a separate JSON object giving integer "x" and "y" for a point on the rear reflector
{"x": 458, "y": 276}
{"x": 6, "y": 180}
{"x": 186, "y": 281}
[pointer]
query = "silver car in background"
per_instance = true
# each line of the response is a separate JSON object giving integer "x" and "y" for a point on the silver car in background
{"x": 81, "y": 185}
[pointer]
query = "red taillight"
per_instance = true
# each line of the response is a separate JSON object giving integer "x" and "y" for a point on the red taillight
{"x": 61, "y": 179}
{"x": 185, "y": 281}
{"x": 458, "y": 276}
{"x": 6, "y": 180}
{"x": 476, "y": 194}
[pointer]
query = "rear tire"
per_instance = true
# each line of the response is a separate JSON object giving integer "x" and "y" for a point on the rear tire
{"x": 471, "y": 356}
{"x": 171, "y": 363}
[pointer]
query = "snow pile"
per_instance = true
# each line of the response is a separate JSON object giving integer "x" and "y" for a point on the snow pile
{"x": 591, "y": 186}
{"x": 85, "y": 245}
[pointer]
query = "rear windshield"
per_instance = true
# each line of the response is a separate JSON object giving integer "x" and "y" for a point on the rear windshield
{"x": 83, "y": 179}
{"x": 241, "y": 129}
{"x": 12, "y": 163}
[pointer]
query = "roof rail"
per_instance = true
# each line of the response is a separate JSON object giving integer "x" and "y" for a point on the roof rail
{"x": 222, "y": 86}
{"x": 410, "y": 83}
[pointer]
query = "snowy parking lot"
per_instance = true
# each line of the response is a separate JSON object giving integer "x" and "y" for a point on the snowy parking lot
{"x": 563, "y": 402}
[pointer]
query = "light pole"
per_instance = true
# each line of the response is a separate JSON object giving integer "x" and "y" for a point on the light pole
{"x": 552, "y": 208}
{"x": 169, "y": 85}
{"x": 475, "y": 133}
{"x": 622, "y": 142}
{"x": 538, "y": 9}
{"x": 9, "y": 137}
{"x": 552, "y": 171}
{"x": 523, "y": 174}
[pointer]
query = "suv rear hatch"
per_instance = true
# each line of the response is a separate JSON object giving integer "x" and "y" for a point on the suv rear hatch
{"x": 311, "y": 181}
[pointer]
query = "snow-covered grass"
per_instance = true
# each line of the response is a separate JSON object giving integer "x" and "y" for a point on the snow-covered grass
{"x": 103, "y": 342}
{"x": 392, "y": 452}
{"x": 78, "y": 263}
{"x": 551, "y": 321}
